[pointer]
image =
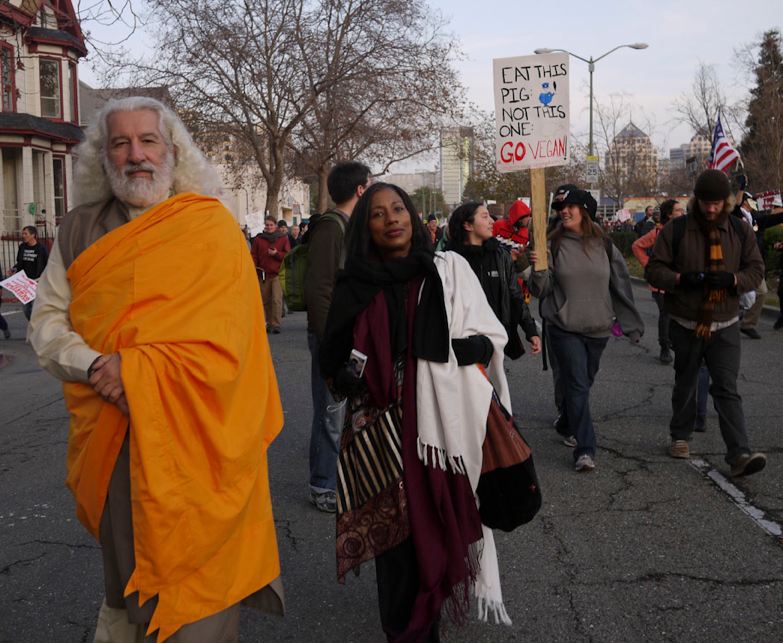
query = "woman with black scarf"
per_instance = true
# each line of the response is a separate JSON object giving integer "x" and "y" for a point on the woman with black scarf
{"x": 470, "y": 235}
{"x": 410, "y": 453}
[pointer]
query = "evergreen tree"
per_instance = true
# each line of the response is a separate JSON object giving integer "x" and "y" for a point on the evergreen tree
{"x": 762, "y": 145}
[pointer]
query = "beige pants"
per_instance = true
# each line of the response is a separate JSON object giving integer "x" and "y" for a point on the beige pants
{"x": 113, "y": 627}
{"x": 272, "y": 296}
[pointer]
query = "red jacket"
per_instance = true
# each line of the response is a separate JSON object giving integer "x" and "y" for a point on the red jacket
{"x": 270, "y": 263}
{"x": 505, "y": 227}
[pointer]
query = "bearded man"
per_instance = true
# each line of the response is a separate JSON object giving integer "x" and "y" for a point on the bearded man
{"x": 171, "y": 392}
{"x": 704, "y": 261}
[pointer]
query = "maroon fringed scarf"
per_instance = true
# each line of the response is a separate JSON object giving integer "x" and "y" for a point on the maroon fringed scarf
{"x": 444, "y": 520}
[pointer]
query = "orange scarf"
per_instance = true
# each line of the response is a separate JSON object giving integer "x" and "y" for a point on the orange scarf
{"x": 175, "y": 293}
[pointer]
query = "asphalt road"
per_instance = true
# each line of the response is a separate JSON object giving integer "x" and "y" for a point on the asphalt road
{"x": 646, "y": 548}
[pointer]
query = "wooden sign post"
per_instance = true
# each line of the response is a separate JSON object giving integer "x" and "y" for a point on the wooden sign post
{"x": 532, "y": 126}
{"x": 540, "y": 216}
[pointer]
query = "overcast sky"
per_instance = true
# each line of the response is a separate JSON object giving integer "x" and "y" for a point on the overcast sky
{"x": 680, "y": 34}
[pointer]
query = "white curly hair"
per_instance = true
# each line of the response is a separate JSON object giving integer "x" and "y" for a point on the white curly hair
{"x": 192, "y": 171}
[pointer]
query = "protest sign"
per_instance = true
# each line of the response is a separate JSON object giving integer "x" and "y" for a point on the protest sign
{"x": 21, "y": 286}
{"x": 531, "y": 111}
{"x": 768, "y": 200}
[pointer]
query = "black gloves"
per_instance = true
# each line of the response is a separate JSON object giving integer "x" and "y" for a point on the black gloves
{"x": 346, "y": 382}
{"x": 719, "y": 280}
{"x": 476, "y": 349}
{"x": 692, "y": 280}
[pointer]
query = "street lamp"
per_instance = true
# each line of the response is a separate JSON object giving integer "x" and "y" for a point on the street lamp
{"x": 591, "y": 66}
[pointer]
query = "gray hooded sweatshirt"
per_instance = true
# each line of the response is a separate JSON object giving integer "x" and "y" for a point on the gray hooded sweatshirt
{"x": 583, "y": 292}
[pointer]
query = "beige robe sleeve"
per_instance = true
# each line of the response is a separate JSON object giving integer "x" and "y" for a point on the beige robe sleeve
{"x": 61, "y": 351}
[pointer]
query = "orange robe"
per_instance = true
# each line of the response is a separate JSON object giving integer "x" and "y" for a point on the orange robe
{"x": 175, "y": 293}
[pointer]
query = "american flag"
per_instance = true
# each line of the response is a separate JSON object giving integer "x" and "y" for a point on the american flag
{"x": 722, "y": 155}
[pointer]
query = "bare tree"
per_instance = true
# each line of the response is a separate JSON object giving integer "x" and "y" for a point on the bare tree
{"x": 395, "y": 108}
{"x": 123, "y": 18}
{"x": 700, "y": 107}
{"x": 319, "y": 76}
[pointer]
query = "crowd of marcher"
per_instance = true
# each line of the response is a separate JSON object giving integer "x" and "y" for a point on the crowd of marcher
{"x": 173, "y": 399}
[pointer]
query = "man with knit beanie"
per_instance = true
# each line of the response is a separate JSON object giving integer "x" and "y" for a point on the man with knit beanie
{"x": 704, "y": 261}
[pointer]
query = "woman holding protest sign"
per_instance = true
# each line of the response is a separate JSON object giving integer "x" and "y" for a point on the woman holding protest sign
{"x": 583, "y": 293}
{"x": 416, "y": 322}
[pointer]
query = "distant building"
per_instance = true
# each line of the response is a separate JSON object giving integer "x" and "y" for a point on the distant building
{"x": 456, "y": 163}
{"x": 677, "y": 157}
{"x": 412, "y": 181}
{"x": 92, "y": 99}
{"x": 245, "y": 188}
{"x": 633, "y": 155}
{"x": 40, "y": 47}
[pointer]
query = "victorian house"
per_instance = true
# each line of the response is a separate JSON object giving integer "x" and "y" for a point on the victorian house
{"x": 40, "y": 47}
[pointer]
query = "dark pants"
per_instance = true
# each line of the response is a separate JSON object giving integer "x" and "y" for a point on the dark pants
{"x": 556, "y": 380}
{"x": 721, "y": 355}
{"x": 702, "y": 393}
{"x": 398, "y": 584}
{"x": 663, "y": 321}
{"x": 28, "y": 309}
{"x": 578, "y": 358}
{"x": 780, "y": 286}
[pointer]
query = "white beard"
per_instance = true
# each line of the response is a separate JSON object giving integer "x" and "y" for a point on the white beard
{"x": 142, "y": 192}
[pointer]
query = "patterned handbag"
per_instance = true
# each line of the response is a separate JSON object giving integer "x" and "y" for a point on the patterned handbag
{"x": 370, "y": 461}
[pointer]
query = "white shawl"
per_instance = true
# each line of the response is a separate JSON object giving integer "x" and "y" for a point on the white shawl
{"x": 453, "y": 404}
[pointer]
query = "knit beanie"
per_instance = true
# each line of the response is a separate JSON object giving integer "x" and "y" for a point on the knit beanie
{"x": 712, "y": 185}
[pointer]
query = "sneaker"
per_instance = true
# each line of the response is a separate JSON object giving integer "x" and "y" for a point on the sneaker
{"x": 584, "y": 464}
{"x": 700, "y": 426}
{"x": 326, "y": 501}
{"x": 680, "y": 449}
{"x": 750, "y": 332}
{"x": 275, "y": 330}
{"x": 666, "y": 355}
{"x": 748, "y": 463}
{"x": 778, "y": 323}
{"x": 569, "y": 441}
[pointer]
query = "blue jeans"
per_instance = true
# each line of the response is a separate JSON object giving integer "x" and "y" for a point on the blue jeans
{"x": 328, "y": 417}
{"x": 578, "y": 358}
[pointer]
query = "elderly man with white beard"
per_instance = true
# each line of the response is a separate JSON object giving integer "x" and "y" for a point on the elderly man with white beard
{"x": 149, "y": 311}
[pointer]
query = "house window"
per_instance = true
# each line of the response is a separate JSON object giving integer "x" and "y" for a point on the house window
{"x": 51, "y": 105}
{"x": 73, "y": 84}
{"x": 7, "y": 74}
{"x": 58, "y": 173}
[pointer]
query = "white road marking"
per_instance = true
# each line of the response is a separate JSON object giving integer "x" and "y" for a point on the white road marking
{"x": 738, "y": 497}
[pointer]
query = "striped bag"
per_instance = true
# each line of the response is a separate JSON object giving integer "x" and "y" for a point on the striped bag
{"x": 371, "y": 461}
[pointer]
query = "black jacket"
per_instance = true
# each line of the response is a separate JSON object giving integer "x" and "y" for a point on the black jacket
{"x": 31, "y": 259}
{"x": 761, "y": 221}
{"x": 495, "y": 271}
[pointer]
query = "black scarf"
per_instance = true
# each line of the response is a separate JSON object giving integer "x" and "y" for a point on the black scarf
{"x": 356, "y": 287}
{"x": 271, "y": 237}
